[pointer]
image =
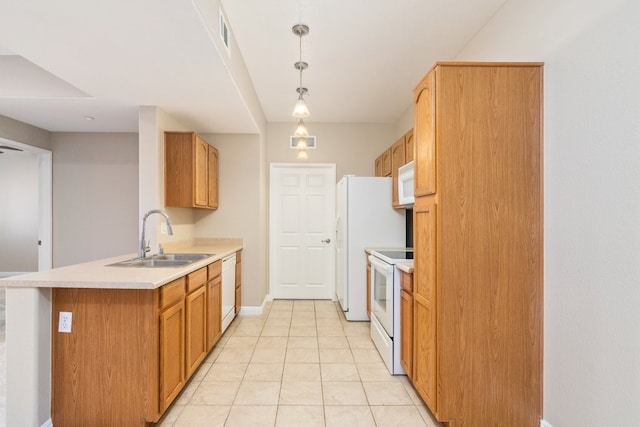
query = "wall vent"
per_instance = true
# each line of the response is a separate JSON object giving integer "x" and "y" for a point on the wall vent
{"x": 225, "y": 34}
{"x": 311, "y": 141}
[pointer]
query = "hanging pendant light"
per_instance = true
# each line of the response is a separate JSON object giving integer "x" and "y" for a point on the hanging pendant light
{"x": 301, "y": 130}
{"x": 300, "y": 110}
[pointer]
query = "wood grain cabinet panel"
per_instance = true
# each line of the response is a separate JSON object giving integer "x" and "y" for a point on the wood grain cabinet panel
{"x": 214, "y": 304}
{"x": 213, "y": 173}
{"x": 406, "y": 332}
{"x": 131, "y": 351}
{"x": 172, "y": 357}
{"x": 397, "y": 160}
{"x": 196, "y": 332}
{"x": 383, "y": 163}
{"x": 478, "y": 278}
{"x": 191, "y": 171}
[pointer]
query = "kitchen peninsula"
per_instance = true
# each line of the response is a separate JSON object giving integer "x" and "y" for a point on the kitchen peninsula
{"x": 136, "y": 334}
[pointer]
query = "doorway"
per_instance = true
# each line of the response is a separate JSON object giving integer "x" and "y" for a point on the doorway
{"x": 301, "y": 230}
{"x": 39, "y": 164}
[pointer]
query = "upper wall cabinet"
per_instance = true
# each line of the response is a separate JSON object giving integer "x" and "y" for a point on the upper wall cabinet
{"x": 383, "y": 163}
{"x": 401, "y": 154}
{"x": 191, "y": 171}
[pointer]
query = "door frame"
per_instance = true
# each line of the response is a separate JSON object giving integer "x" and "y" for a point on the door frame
{"x": 272, "y": 249}
{"x": 45, "y": 201}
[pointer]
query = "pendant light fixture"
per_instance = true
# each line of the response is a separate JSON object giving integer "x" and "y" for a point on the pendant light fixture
{"x": 300, "y": 110}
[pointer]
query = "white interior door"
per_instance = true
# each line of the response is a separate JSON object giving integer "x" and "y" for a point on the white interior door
{"x": 302, "y": 211}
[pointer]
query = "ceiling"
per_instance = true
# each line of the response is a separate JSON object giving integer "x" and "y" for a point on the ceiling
{"x": 65, "y": 62}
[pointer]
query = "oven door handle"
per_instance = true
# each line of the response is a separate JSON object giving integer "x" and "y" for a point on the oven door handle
{"x": 380, "y": 265}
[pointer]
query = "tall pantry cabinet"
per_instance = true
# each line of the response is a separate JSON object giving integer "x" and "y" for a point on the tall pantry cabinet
{"x": 478, "y": 277}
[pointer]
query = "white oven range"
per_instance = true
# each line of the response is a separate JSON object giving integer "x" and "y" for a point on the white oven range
{"x": 385, "y": 304}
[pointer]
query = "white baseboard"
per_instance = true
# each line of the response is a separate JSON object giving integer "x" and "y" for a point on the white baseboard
{"x": 254, "y": 310}
{"x": 47, "y": 423}
{"x": 543, "y": 423}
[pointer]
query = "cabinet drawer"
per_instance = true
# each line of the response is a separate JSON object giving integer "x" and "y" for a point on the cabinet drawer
{"x": 406, "y": 282}
{"x": 214, "y": 269}
{"x": 196, "y": 279}
{"x": 172, "y": 292}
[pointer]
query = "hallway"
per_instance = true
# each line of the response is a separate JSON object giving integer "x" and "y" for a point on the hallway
{"x": 301, "y": 363}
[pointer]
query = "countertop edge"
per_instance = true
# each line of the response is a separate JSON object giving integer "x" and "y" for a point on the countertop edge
{"x": 98, "y": 274}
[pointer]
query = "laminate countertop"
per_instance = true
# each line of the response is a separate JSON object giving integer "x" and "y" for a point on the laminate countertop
{"x": 99, "y": 274}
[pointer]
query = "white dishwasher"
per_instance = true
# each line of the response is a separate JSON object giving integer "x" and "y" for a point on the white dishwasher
{"x": 228, "y": 290}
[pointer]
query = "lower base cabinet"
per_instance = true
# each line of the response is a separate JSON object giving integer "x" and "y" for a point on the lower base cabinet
{"x": 406, "y": 332}
{"x": 172, "y": 376}
{"x": 131, "y": 351}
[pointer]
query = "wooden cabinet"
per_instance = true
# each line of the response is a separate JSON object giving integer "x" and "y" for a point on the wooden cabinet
{"x": 478, "y": 243}
{"x": 406, "y": 322}
{"x": 131, "y": 351}
{"x": 424, "y": 300}
{"x": 397, "y": 160}
{"x": 383, "y": 163}
{"x": 387, "y": 164}
{"x": 172, "y": 336}
{"x": 191, "y": 171}
{"x": 214, "y": 303}
{"x": 212, "y": 174}
{"x": 238, "y": 303}
{"x": 408, "y": 147}
{"x": 196, "y": 314}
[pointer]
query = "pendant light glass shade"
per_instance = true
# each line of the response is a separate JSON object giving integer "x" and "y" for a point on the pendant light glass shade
{"x": 301, "y": 130}
{"x": 300, "y": 110}
{"x": 302, "y": 144}
{"x": 302, "y": 155}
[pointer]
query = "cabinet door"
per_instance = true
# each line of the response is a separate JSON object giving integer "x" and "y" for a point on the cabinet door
{"x": 172, "y": 375}
{"x": 397, "y": 160}
{"x": 196, "y": 339}
{"x": 408, "y": 146}
{"x": 214, "y": 311}
{"x": 406, "y": 332}
{"x": 424, "y": 301}
{"x": 424, "y": 136}
{"x": 212, "y": 199}
{"x": 201, "y": 161}
{"x": 385, "y": 168}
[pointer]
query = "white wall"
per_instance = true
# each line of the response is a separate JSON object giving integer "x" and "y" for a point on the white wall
{"x": 352, "y": 147}
{"x": 239, "y": 211}
{"x": 591, "y": 52}
{"x": 95, "y": 196}
{"x": 18, "y": 211}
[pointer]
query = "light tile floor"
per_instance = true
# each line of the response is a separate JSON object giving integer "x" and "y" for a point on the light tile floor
{"x": 300, "y": 364}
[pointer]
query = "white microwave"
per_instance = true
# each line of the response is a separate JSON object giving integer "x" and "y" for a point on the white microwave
{"x": 405, "y": 185}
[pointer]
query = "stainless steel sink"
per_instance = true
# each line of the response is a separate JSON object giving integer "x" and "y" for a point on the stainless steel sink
{"x": 159, "y": 261}
{"x": 151, "y": 262}
{"x": 182, "y": 257}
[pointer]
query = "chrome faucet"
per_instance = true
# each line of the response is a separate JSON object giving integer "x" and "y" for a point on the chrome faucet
{"x": 144, "y": 246}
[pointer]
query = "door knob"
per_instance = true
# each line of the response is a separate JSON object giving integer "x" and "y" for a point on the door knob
{"x": 327, "y": 240}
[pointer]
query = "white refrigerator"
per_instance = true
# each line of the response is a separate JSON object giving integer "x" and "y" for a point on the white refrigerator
{"x": 364, "y": 219}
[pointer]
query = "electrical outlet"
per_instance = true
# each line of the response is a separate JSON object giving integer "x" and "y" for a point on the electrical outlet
{"x": 163, "y": 228}
{"x": 64, "y": 322}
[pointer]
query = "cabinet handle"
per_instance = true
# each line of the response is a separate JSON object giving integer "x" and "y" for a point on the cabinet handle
{"x": 327, "y": 240}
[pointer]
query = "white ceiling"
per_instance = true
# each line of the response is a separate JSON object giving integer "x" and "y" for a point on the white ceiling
{"x": 65, "y": 60}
